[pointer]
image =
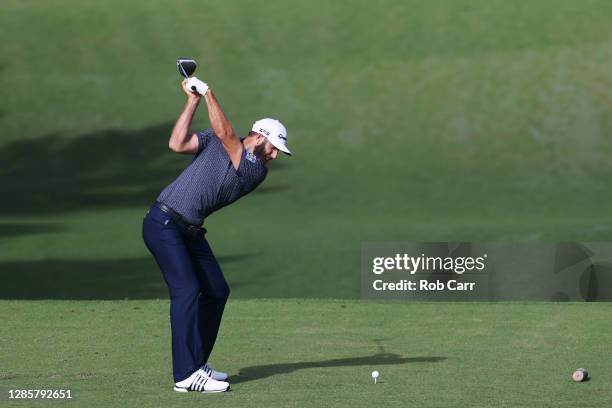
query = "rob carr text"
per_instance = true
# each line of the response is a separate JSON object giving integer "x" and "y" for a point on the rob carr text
{"x": 423, "y": 285}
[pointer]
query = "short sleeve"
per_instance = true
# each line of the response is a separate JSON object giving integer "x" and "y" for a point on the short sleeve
{"x": 204, "y": 137}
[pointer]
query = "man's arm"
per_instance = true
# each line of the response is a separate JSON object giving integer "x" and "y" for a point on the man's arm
{"x": 181, "y": 141}
{"x": 223, "y": 129}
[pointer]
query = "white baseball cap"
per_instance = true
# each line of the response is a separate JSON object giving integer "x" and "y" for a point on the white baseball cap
{"x": 274, "y": 131}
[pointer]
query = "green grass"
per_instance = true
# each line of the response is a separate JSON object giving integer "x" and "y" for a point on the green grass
{"x": 446, "y": 120}
{"x": 439, "y": 121}
{"x": 311, "y": 353}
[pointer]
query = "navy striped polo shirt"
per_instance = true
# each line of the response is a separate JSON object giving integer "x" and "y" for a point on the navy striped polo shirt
{"x": 210, "y": 182}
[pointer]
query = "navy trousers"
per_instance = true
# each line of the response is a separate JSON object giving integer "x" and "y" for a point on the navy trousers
{"x": 198, "y": 290}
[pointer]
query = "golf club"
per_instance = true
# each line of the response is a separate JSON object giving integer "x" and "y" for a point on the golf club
{"x": 186, "y": 67}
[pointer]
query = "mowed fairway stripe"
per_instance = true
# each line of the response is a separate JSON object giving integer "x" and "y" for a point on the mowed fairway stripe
{"x": 317, "y": 352}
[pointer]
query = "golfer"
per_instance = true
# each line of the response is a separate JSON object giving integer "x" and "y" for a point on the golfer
{"x": 223, "y": 169}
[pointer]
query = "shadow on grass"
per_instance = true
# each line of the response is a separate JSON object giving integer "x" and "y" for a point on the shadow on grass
{"x": 88, "y": 279}
{"x": 12, "y": 229}
{"x": 263, "y": 371}
{"x": 103, "y": 169}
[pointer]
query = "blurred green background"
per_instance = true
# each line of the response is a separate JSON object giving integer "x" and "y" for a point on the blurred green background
{"x": 443, "y": 120}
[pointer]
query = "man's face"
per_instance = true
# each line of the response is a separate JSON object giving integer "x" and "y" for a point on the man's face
{"x": 264, "y": 149}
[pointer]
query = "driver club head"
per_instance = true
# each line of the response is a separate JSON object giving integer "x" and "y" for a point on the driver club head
{"x": 186, "y": 66}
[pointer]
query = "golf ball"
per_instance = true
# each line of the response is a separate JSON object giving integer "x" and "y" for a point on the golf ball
{"x": 375, "y": 374}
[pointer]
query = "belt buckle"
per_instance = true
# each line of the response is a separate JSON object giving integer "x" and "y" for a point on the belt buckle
{"x": 192, "y": 230}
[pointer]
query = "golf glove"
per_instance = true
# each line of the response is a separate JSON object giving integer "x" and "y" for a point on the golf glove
{"x": 196, "y": 85}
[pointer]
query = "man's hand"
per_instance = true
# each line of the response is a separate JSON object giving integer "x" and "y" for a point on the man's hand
{"x": 190, "y": 94}
{"x": 193, "y": 86}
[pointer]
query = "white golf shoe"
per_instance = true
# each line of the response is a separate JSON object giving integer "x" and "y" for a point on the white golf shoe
{"x": 214, "y": 374}
{"x": 200, "y": 381}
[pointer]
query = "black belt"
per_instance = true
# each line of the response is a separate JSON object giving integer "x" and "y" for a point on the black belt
{"x": 186, "y": 228}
